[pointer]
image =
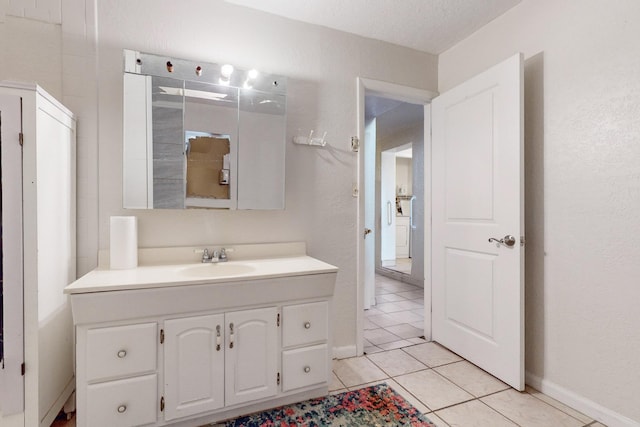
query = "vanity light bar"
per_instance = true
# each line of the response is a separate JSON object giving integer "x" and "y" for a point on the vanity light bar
{"x": 155, "y": 65}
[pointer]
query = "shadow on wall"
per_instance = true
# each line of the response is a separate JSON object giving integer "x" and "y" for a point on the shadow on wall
{"x": 534, "y": 213}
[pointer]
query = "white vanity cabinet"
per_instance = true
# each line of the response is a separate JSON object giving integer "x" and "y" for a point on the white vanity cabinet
{"x": 305, "y": 355}
{"x": 193, "y": 365}
{"x": 119, "y": 369}
{"x": 196, "y": 353}
{"x": 251, "y": 365}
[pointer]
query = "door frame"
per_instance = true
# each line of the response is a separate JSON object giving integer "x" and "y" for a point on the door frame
{"x": 414, "y": 96}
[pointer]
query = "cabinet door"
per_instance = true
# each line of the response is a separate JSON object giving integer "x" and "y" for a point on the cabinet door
{"x": 194, "y": 365}
{"x": 251, "y": 356}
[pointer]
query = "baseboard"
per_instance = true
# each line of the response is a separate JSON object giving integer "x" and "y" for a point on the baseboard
{"x": 580, "y": 403}
{"x": 344, "y": 352}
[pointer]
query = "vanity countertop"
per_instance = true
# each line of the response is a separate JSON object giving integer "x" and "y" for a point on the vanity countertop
{"x": 159, "y": 276}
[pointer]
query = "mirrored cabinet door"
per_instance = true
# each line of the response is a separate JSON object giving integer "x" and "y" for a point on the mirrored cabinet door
{"x": 201, "y": 144}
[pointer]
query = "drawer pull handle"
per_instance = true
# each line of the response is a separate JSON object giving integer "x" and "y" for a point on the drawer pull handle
{"x": 307, "y": 369}
{"x": 230, "y": 335}
{"x": 121, "y": 355}
{"x": 122, "y": 409}
{"x": 218, "y": 338}
{"x": 307, "y": 325}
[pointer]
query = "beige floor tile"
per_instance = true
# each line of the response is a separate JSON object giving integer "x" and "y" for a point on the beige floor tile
{"x": 527, "y": 411}
{"x": 357, "y": 370}
{"x": 335, "y": 384}
{"x": 419, "y": 312}
{"x": 395, "y": 345}
{"x": 564, "y": 408}
{"x": 380, "y": 336}
{"x": 404, "y": 330}
{"x": 473, "y": 414}
{"x": 408, "y": 396}
{"x": 432, "y": 389}
{"x": 396, "y": 362}
{"x": 384, "y": 320}
{"x": 432, "y": 354}
{"x": 596, "y": 424}
{"x": 372, "y": 312}
{"x": 405, "y": 317}
{"x": 471, "y": 378}
{"x": 372, "y": 349}
{"x": 419, "y": 324}
{"x": 389, "y": 307}
{"x": 408, "y": 305}
{"x": 439, "y": 422}
{"x": 390, "y": 298}
{"x": 411, "y": 294}
{"x": 333, "y": 392}
{"x": 368, "y": 324}
{"x": 417, "y": 340}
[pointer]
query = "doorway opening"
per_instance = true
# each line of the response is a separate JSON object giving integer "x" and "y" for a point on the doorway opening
{"x": 399, "y": 187}
{"x": 393, "y": 120}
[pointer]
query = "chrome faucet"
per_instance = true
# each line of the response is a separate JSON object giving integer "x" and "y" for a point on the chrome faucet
{"x": 215, "y": 257}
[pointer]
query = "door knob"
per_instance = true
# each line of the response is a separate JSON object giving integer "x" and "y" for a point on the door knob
{"x": 507, "y": 240}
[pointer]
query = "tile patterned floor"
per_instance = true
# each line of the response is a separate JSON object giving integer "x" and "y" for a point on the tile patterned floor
{"x": 445, "y": 387}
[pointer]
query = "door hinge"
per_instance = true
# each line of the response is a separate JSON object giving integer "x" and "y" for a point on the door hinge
{"x": 22, "y": 369}
{"x": 162, "y": 404}
{"x": 278, "y": 319}
{"x": 21, "y": 139}
{"x": 278, "y": 379}
{"x": 161, "y": 336}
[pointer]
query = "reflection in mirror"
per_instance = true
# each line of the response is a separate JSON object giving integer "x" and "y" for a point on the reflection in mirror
{"x": 201, "y": 140}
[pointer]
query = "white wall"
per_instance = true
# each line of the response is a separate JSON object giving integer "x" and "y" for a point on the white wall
{"x": 582, "y": 139}
{"x": 322, "y": 66}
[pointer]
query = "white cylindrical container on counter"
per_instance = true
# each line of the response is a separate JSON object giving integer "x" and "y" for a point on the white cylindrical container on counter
{"x": 123, "y": 245}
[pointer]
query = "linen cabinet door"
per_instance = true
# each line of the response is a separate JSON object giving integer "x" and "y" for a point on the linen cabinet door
{"x": 193, "y": 365}
{"x": 251, "y": 366}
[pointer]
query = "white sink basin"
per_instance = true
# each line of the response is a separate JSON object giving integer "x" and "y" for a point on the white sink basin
{"x": 216, "y": 270}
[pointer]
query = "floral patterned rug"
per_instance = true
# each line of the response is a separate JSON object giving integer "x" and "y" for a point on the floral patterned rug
{"x": 377, "y": 405}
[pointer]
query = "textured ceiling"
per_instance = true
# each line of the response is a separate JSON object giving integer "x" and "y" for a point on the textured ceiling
{"x": 430, "y": 26}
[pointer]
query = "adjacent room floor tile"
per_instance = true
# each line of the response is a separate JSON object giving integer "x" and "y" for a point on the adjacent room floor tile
{"x": 408, "y": 305}
{"x": 372, "y": 349}
{"x": 471, "y": 378}
{"x": 473, "y": 414}
{"x": 390, "y": 307}
{"x": 432, "y": 354}
{"x": 394, "y": 345}
{"x": 380, "y": 336}
{"x": 528, "y": 411}
{"x": 405, "y": 317}
{"x": 432, "y": 389}
{"x": 390, "y": 298}
{"x": 356, "y": 371}
{"x": 384, "y": 320}
{"x": 396, "y": 362}
{"x": 405, "y": 330}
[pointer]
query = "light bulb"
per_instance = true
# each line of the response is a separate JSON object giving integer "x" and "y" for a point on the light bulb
{"x": 226, "y": 70}
{"x": 253, "y": 74}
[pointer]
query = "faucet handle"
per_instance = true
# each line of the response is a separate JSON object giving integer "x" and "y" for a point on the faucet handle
{"x": 205, "y": 254}
{"x": 223, "y": 253}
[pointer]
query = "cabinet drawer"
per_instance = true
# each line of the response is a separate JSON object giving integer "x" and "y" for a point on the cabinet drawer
{"x": 303, "y": 367}
{"x": 121, "y": 351}
{"x": 305, "y": 323}
{"x": 123, "y": 403}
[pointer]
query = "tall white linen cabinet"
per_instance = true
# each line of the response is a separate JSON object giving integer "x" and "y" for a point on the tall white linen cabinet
{"x": 38, "y": 143}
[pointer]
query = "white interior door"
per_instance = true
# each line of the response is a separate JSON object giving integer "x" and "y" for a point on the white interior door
{"x": 477, "y": 284}
{"x": 388, "y": 208}
{"x": 369, "y": 234}
{"x": 11, "y": 378}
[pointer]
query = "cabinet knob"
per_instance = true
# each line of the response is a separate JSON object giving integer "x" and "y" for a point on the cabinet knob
{"x": 121, "y": 355}
{"x": 307, "y": 369}
{"x": 122, "y": 408}
{"x": 307, "y": 325}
